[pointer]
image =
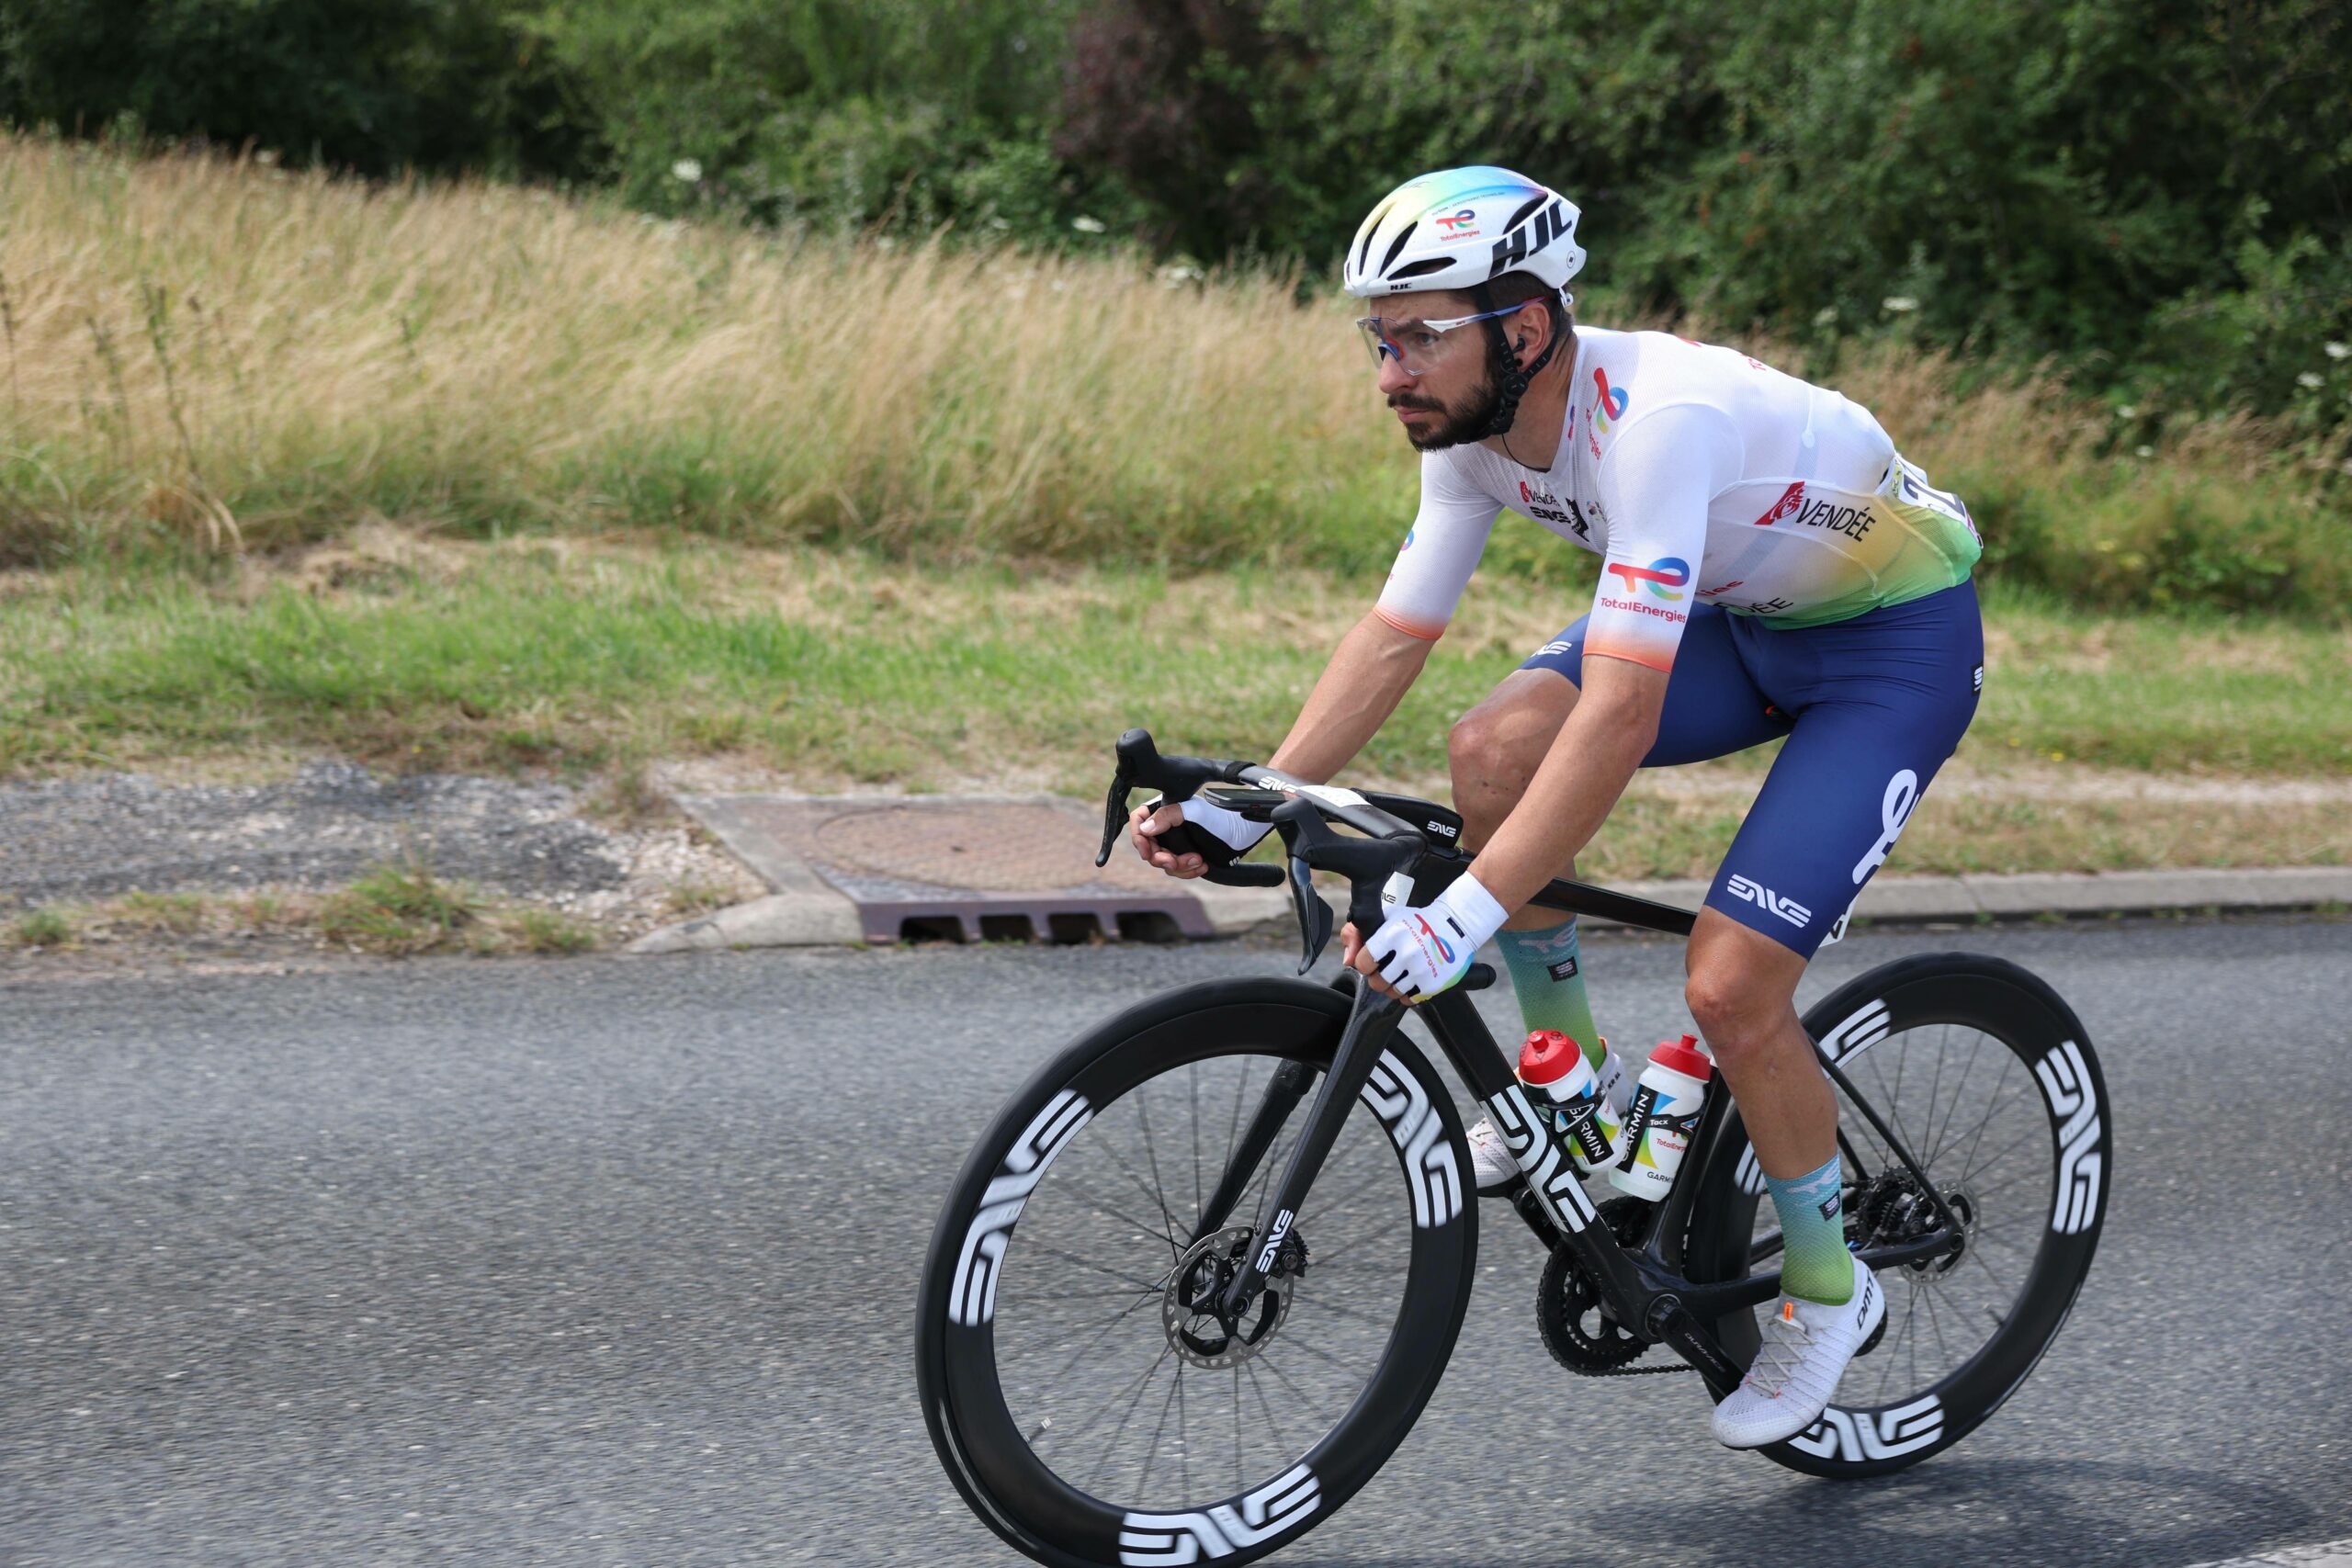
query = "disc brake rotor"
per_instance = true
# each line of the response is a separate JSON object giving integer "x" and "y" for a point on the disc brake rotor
{"x": 1188, "y": 1308}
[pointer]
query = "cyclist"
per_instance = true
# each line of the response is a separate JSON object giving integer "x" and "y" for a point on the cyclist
{"x": 1771, "y": 570}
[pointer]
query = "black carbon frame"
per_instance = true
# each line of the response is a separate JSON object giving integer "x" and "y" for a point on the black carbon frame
{"x": 1641, "y": 1285}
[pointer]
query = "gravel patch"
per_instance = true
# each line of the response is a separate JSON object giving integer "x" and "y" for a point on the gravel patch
{"x": 105, "y": 835}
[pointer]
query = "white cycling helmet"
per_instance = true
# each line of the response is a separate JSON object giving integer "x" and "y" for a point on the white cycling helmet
{"x": 1462, "y": 228}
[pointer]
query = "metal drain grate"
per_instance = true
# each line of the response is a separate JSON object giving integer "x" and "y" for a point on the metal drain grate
{"x": 957, "y": 868}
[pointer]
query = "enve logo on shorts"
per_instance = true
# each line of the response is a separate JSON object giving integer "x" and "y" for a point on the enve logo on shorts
{"x": 1772, "y": 903}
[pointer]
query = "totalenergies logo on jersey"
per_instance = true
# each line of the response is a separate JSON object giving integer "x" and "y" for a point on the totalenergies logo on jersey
{"x": 1611, "y": 405}
{"x": 1665, "y": 578}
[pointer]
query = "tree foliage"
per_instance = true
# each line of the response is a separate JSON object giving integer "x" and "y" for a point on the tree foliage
{"x": 2157, "y": 193}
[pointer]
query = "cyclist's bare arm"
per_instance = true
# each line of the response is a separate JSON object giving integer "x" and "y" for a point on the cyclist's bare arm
{"x": 1373, "y": 666}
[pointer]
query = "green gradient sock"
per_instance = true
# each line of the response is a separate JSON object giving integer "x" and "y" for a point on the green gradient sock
{"x": 1549, "y": 980}
{"x": 1815, "y": 1264}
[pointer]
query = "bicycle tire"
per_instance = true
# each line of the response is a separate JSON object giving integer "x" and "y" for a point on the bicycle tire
{"x": 1027, "y": 1501}
{"x": 2001, "y": 1002}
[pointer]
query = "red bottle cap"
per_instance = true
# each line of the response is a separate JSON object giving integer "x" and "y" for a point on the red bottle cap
{"x": 1686, "y": 1058}
{"x": 1547, "y": 1058}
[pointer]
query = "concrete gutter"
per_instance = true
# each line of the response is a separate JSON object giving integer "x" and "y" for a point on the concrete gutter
{"x": 806, "y": 911}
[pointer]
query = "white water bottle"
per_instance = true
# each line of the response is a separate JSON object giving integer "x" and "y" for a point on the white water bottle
{"x": 1662, "y": 1119}
{"x": 1563, "y": 1084}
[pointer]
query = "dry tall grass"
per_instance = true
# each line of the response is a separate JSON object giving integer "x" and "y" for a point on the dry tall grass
{"x": 224, "y": 352}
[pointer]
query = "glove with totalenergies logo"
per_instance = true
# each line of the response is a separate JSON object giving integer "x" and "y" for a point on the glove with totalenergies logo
{"x": 1422, "y": 951}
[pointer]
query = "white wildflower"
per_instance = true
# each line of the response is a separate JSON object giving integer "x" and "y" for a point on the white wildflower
{"x": 1899, "y": 303}
{"x": 2310, "y": 378}
{"x": 1089, "y": 225}
{"x": 1826, "y": 316}
{"x": 686, "y": 169}
{"x": 2147, "y": 451}
{"x": 2129, "y": 411}
{"x": 2339, "y": 350}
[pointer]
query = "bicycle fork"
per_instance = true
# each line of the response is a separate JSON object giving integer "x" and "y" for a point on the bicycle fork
{"x": 1371, "y": 1020}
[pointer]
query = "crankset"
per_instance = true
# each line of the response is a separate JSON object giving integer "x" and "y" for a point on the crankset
{"x": 1577, "y": 1328}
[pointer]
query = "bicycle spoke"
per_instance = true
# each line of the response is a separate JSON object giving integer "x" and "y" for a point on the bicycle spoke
{"x": 1271, "y": 1425}
{"x": 1128, "y": 1169}
{"x": 1143, "y": 1117}
{"x": 1053, "y": 1251}
{"x": 1087, "y": 1197}
{"x": 1142, "y": 1481}
{"x": 1141, "y": 1379}
{"x": 1937, "y": 1140}
{"x": 1355, "y": 1242}
{"x": 2039, "y": 1130}
{"x": 1936, "y": 1326}
{"x": 1183, "y": 1435}
{"x": 1102, "y": 1333}
{"x": 1991, "y": 1105}
{"x": 1314, "y": 1407}
{"x": 1193, "y": 1088}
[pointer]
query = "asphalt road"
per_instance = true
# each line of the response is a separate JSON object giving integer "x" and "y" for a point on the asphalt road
{"x": 613, "y": 1261}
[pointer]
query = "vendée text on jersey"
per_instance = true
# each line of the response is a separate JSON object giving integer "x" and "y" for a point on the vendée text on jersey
{"x": 1851, "y": 520}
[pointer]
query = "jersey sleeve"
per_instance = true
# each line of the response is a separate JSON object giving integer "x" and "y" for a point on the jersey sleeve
{"x": 1655, "y": 483}
{"x": 1440, "y": 552}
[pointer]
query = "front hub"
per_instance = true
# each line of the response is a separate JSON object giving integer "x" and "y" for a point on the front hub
{"x": 1197, "y": 1330}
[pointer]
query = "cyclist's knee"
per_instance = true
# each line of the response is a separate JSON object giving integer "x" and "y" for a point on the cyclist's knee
{"x": 1495, "y": 749}
{"x": 1738, "y": 1004}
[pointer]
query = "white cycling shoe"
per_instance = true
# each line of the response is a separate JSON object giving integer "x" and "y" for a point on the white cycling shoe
{"x": 1806, "y": 1348}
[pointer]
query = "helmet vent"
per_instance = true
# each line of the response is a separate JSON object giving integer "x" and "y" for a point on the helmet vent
{"x": 1420, "y": 268}
{"x": 1371, "y": 227}
{"x": 1520, "y": 217}
{"x": 1397, "y": 249}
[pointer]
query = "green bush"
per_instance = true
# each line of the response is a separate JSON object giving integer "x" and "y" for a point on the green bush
{"x": 2156, "y": 193}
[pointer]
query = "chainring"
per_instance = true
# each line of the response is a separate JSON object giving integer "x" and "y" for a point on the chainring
{"x": 1580, "y": 1336}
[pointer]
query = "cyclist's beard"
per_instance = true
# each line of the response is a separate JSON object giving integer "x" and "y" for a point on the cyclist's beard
{"x": 1457, "y": 422}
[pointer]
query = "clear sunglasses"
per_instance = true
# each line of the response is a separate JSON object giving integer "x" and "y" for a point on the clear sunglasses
{"x": 1415, "y": 343}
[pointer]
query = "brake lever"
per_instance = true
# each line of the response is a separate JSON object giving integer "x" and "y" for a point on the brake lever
{"x": 1114, "y": 814}
{"x": 1299, "y": 823}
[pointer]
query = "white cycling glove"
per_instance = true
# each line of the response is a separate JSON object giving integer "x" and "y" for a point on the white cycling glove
{"x": 1231, "y": 828}
{"x": 1422, "y": 951}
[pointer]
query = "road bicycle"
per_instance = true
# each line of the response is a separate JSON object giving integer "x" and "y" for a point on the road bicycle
{"x": 1204, "y": 1271}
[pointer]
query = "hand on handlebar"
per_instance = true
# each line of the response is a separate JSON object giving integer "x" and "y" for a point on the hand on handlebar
{"x": 1144, "y": 824}
{"x": 1418, "y": 952}
{"x": 1212, "y": 835}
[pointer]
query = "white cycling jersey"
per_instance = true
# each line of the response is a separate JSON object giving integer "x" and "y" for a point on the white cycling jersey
{"x": 1700, "y": 476}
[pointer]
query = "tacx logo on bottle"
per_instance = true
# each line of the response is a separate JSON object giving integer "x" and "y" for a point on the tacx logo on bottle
{"x": 1611, "y": 408}
{"x": 1665, "y": 577}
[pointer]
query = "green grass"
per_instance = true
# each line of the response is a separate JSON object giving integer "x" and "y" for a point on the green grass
{"x": 43, "y": 928}
{"x": 207, "y": 353}
{"x": 838, "y": 671}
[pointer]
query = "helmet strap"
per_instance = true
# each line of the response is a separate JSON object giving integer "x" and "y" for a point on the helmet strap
{"x": 1511, "y": 382}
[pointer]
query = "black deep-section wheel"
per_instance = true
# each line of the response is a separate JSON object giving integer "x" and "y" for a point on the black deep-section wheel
{"x": 1084, "y": 1397}
{"x": 1981, "y": 1068}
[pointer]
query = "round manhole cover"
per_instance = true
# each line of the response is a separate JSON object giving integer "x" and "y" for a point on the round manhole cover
{"x": 997, "y": 849}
